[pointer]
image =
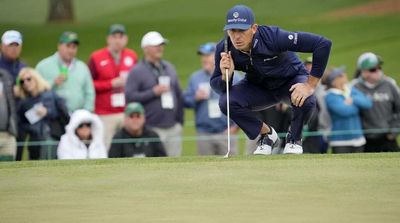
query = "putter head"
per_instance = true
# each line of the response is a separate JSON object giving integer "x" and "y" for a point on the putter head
{"x": 226, "y": 155}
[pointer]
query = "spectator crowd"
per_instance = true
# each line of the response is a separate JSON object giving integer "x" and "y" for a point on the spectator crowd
{"x": 117, "y": 105}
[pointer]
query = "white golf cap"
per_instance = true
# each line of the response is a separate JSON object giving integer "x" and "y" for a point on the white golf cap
{"x": 153, "y": 39}
{"x": 11, "y": 36}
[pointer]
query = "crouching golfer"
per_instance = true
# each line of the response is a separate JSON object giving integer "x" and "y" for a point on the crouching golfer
{"x": 274, "y": 74}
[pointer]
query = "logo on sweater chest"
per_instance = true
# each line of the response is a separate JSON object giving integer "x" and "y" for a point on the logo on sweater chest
{"x": 103, "y": 63}
{"x": 380, "y": 97}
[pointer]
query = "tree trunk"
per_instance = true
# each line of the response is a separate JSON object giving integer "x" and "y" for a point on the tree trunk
{"x": 60, "y": 11}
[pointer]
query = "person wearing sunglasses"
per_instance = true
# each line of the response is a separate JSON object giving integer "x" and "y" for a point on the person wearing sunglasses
{"x": 83, "y": 138}
{"x": 381, "y": 121}
{"x": 134, "y": 139}
{"x": 35, "y": 108}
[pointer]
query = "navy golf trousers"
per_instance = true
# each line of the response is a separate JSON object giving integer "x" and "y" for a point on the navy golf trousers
{"x": 246, "y": 98}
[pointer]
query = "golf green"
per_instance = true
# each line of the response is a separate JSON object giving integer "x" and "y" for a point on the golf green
{"x": 305, "y": 188}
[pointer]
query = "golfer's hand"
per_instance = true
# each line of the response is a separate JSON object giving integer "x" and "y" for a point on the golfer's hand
{"x": 226, "y": 62}
{"x": 300, "y": 92}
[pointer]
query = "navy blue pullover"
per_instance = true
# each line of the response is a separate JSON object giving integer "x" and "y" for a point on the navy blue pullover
{"x": 272, "y": 60}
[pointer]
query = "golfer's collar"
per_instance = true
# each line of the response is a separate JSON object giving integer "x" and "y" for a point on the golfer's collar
{"x": 256, "y": 40}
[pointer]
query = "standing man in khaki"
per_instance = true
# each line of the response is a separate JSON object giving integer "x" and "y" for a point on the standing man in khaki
{"x": 153, "y": 82}
{"x": 110, "y": 67}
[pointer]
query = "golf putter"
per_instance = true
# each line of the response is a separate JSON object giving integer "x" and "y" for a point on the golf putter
{"x": 227, "y": 99}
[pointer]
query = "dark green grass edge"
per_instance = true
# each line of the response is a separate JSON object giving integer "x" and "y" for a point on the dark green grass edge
{"x": 197, "y": 159}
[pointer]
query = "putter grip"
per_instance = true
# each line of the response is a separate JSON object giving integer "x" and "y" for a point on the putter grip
{"x": 226, "y": 44}
{"x": 226, "y": 51}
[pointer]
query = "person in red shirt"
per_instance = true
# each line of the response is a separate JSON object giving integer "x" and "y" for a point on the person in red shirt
{"x": 110, "y": 67}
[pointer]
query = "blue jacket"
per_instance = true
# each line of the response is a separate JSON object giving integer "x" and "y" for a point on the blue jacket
{"x": 272, "y": 60}
{"x": 346, "y": 117}
{"x": 40, "y": 128}
{"x": 203, "y": 122}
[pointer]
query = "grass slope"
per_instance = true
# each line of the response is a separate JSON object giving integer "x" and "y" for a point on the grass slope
{"x": 308, "y": 188}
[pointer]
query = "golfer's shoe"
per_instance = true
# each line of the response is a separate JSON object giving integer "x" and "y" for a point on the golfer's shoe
{"x": 266, "y": 143}
{"x": 293, "y": 148}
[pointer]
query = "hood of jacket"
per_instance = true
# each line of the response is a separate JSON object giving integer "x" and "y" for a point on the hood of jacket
{"x": 84, "y": 116}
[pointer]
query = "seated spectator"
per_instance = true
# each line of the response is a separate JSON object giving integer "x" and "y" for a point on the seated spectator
{"x": 154, "y": 83}
{"x": 8, "y": 119}
{"x": 145, "y": 142}
{"x": 110, "y": 67}
{"x": 35, "y": 108}
{"x": 385, "y": 112}
{"x": 11, "y": 47}
{"x": 344, "y": 105}
{"x": 211, "y": 125}
{"x": 83, "y": 138}
{"x": 68, "y": 76}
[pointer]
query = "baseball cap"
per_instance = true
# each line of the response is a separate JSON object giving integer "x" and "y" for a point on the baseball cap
{"x": 206, "y": 49}
{"x": 11, "y": 36}
{"x": 69, "y": 37}
{"x": 239, "y": 17}
{"x": 116, "y": 28}
{"x": 153, "y": 38}
{"x": 368, "y": 61}
{"x": 334, "y": 73}
{"x": 134, "y": 107}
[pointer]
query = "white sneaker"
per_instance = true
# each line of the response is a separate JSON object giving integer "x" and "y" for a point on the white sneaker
{"x": 293, "y": 148}
{"x": 266, "y": 143}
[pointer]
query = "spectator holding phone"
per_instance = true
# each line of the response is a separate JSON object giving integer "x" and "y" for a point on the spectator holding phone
{"x": 69, "y": 76}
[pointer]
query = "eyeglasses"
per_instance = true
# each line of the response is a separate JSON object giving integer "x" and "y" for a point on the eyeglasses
{"x": 135, "y": 115}
{"x": 28, "y": 79}
{"x": 88, "y": 125}
{"x": 373, "y": 70}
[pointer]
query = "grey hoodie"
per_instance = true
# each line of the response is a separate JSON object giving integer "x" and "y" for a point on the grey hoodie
{"x": 385, "y": 111}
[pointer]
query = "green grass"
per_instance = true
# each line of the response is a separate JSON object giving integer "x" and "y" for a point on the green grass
{"x": 187, "y": 24}
{"x": 308, "y": 188}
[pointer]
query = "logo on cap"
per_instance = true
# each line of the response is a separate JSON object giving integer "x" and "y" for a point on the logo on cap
{"x": 72, "y": 36}
{"x": 235, "y": 15}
